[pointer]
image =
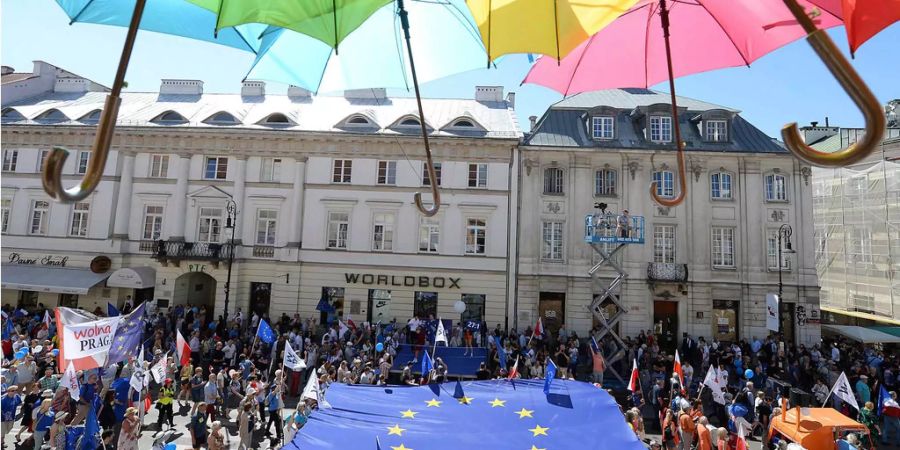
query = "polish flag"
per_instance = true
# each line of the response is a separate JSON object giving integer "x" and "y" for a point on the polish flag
{"x": 514, "y": 372}
{"x": 47, "y": 319}
{"x": 183, "y": 349}
{"x": 677, "y": 369}
{"x": 741, "y": 443}
{"x": 538, "y": 328}
{"x": 634, "y": 382}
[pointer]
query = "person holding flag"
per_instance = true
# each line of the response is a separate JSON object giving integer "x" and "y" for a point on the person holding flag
{"x": 427, "y": 367}
{"x": 678, "y": 373}
{"x": 599, "y": 363}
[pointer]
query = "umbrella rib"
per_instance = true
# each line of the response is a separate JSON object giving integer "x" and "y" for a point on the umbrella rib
{"x": 577, "y": 64}
{"x": 334, "y": 15}
{"x": 83, "y": 8}
{"x": 556, "y": 28}
{"x": 736, "y": 48}
{"x": 490, "y": 9}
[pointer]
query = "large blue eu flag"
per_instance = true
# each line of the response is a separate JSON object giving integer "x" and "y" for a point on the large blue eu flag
{"x": 129, "y": 336}
{"x": 265, "y": 333}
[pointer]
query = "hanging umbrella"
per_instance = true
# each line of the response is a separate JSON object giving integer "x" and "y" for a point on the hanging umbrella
{"x": 551, "y": 28}
{"x": 301, "y": 59}
{"x": 708, "y": 34}
{"x": 865, "y": 18}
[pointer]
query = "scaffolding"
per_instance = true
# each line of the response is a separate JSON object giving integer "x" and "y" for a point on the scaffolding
{"x": 856, "y": 211}
{"x": 608, "y": 235}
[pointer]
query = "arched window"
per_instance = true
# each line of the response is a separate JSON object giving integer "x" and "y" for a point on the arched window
{"x": 170, "y": 117}
{"x": 720, "y": 187}
{"x": 605, "y": 182}
{"x": 92, "y": 116}
{"x": 359, "y": 120}
{"x": 553, "y": 180}
{"x": 410, "y": 122}
{"x": 464, "y": 123}
{"x": 277, "y": 119}
{"x": 665, "y": 183}
{"x": 11, "y": 114}
{"x": 222, "y": 117}
{"x": 53, "y": 114}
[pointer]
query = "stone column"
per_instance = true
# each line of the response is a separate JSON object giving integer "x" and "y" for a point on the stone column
{"x": 243, "y": 215}
{"x": 295, "y": 219}
{"x": 178, "y": 215}
{"x": 123, "y": 202}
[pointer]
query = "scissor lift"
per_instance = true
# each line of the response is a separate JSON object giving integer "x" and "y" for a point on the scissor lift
{"x": 600, "y": 230}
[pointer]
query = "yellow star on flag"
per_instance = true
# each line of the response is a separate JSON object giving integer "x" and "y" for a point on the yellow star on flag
{"x": 523, "y": 413}
{"x": 538, "y": 430}
{"x": 396, "y": 430}
{"x": 534, "y": 447}
{"x": 466, "y": 400}
{"x": 433, "y": 402}
{"x": 497, "y": 402}
{"x": 409, "y": 414}
{"x": 401, "y": 447}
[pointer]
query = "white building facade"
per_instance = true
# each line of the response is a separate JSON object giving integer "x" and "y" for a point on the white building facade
{"x": 323, "y": 191}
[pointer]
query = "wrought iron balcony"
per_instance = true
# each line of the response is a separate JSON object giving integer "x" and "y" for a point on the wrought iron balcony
{"x": 667, "y": 272}
{"x": 179, "y": 250}
{"x": 603, "y": 228}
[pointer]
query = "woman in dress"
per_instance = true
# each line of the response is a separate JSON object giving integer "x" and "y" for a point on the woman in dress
{"x": 868, "y": 418}
{"x": 58, "y": 431}
{"x": 244, "y": 426}
{"x": 216, "y": 441}
{"x": 128, "y": 437}
{"x": 31, "y": 398}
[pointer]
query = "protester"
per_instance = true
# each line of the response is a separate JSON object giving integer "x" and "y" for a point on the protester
{"x": 128, "y": 437}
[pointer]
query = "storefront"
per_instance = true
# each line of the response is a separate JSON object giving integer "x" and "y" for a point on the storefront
{"x": 32, "y": 280}
{"x": 141, "y": 280}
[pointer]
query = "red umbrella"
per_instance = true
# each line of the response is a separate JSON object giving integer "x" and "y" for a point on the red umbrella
{"x": 865, "y": 18}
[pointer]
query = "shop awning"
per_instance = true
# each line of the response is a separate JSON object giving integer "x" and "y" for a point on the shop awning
{"x": 862, "y": 334}
{"x": 49, "y": 279}
{"x": 133, "y": 277}
{"x": 893, "y": 331}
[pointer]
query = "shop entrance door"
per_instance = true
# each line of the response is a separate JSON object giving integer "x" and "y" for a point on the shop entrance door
{"x": 665, "y": 324}
{"x": 260, "y": 298}
{"x": 552, "y": 309}
{"x": 786, "y": 320}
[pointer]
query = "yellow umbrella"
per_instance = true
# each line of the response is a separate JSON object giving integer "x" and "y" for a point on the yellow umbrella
{"x": 549, "y": 27}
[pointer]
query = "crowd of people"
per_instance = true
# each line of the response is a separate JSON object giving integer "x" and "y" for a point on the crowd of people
{"x": 234, "y": 386}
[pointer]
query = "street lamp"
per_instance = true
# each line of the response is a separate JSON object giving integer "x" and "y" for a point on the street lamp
{"x": 230, "y": 220}
{"x": 785, "y": 231}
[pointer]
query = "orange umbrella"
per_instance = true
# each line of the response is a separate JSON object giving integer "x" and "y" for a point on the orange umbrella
{"x": 865, "y": 18}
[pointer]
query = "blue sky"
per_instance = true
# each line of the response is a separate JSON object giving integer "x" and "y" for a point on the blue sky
{"x": 790, "y": 84}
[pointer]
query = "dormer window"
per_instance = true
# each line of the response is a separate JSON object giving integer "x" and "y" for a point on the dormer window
{"x": 715, "y": 130}
{"x": 222, "y": 118}
{"x": 463, "y": 123}
{"x": 602, "y": 127}
{"x": 410, "y": 122}
{"x": 660, "y": 128}
{"x": 169, "y": 117}
{"x": 359, "y": 120}
{"x": 93, "y": 116}
{"x": 10, "y": 114}
{"x": 276, "y": 119}
{"x": 54, "y": 115}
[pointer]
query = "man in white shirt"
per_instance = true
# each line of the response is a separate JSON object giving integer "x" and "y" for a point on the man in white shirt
{"x": 835, "y": 353}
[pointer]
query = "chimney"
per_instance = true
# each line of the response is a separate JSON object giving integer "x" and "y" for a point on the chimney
{"x": 533, "y": 120}
{"x": 814, "y": 124}
{"x": 253, "y": 88}
{"x": 298, "y": 92}
{"x": 826, "y": 121}
{"x": 366, "y": 94}
{"x": 489, "y": 93}
{"x": 71, "y": 85}
{"x": 6, "y": 70}
{"x": 511, "y": 99}
{"x": 182, "y": 87}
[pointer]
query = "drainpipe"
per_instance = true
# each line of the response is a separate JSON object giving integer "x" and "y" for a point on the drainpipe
{"x": 519, "y": 180}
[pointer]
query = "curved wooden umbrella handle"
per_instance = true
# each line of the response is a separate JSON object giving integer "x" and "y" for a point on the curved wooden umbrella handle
{"x": 682, "y": 181}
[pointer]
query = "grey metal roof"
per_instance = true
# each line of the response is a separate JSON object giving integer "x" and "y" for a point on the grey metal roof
{"x": 315, "y": 113}
{"x": 565, "y": 124}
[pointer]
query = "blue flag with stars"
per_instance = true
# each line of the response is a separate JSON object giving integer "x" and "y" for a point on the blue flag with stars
{"x": 551, "y": 374}
{"x": 129, "y": 336}
{"x": 427, "y": 364}
{"x": 111, "y": 310}
{"x": 491, "y": 414}
{"x": 264, "y": 332}
{"x": 501, "y": 352}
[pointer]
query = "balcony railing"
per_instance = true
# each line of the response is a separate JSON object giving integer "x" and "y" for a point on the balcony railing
{"x": 601, "y": 228}
{"x": 263, "y": 251}
{"x": 178, "y": 250}
{"x": 147, "y": 247}
{"x": 667, "y": 272}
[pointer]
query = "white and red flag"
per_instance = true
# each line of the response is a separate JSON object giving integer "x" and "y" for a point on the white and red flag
{"x": 514, "y": 372}
{"x": 70, "y": 380}
{"x": 183, "y": 349}
{"x": 539, "y": 328}
{"x": 84, "y": 340}
{"x": 634, "y": 381}
{"x": 677, "y": 369}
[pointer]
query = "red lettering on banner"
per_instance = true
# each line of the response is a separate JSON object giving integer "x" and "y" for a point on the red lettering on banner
{"x": 92, "y": 332}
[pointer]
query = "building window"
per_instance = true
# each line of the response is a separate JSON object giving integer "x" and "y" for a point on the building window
{"x": 42, "y": 156}
{"x": 552, "y": 241}
{"x": 664, "y": 244}
{"x": 602, "y": 127}
{"x": 10, "y": 160}
{"x": 28, "y": 299}
{"x": 68, "y": 300}
{"x": 266, "y": 224}
{"x": 553, "y": 180}
{"x": 40, "y": 210}
{"x": 772, "y": 252}
{"x": 379, "y": 306}
{"x": 821, "y": 238}
{"x": 210, "y": 225}
{"x": 776, "y": 188}
{"x": 334, "y": 297}
{"x": 153, "y": 219}
{"x": 80, "y": 215}
{"x": 476, "y": 234}
{"x": 341, "y": 171}
{"x": 216, "y": 168}
{"x": 660, "y": 128}
{"x": 861, "y": 245}
{"x": 478, "y": 175}
{"x": 716, "y": 130}
{"x": 437, "y": 174}
{"x": 722, "y": 248}
{"x": 5, "y": 205}
{"x": 383, "y": 232}
{"x": 387, "y": 172}
{"x": 429, "y": 235}
{"x": 83, "y": 159}
{"x": 425, "y": 306}
{"x": 665, "y": 183}
{"x": 338, "y": 228}
{"x": 720, "y": 186}
{"x": 270, "y": 171}
{"x": 605, "y": 182}
{"x": 159, "y": 166}
{"x": 474, "y": 308}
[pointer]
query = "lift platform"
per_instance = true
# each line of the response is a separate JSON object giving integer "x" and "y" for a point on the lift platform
{"x": 608, "y": 235}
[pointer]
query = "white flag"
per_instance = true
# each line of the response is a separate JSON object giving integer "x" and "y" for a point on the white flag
{"x": 70, "y": 381}
{"x": 139, "y": 379}
{"x": 159, "y": 369}
{"x": 843, "y": 391}
{"x": 772, "y": 301}
{"x": 314, "y": 391}
{"x": 343, "y": 329}
{"x": 440, "y": 335}
{"x": 291, "y": 360}
{"x": 715, "y": 385}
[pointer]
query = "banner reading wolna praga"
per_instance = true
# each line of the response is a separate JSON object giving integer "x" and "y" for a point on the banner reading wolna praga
{"x": 86, "y": 340}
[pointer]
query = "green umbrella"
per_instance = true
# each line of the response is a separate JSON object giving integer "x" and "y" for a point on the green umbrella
{"x": 329, "y": 21}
